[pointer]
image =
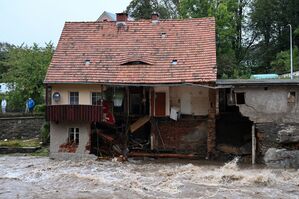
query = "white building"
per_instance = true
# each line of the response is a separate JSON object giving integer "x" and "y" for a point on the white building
{"x": 4, "y": 88}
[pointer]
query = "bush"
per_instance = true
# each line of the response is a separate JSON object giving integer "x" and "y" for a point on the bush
{"x": 45, "y": 133}
{"x": 41, "y": 108}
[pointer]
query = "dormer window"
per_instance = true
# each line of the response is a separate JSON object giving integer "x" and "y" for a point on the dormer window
{"x": 174, "y": 62}
{"x": 135, "y": 63}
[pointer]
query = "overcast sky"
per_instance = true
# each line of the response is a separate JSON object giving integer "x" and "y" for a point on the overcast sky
{"x": 40, "y": 21}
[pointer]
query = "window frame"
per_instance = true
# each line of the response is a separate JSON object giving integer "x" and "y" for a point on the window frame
{"x": 237, "y": 101}
{"x": 98, "y": 101}
{"x": 74, "y": 135}
{"x": 70, "y": 98}
{"x": 292, "y": 97}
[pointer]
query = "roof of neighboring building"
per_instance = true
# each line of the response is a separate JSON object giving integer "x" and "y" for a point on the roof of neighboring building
{"x": 264, "y": 76}
{"x": 105, "y": 14}
{"x": 256, "y": 82}
{"x": 168, "y": 51}
{"x": 288, "y": 75}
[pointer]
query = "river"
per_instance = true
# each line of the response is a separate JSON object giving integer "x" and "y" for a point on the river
{"x": 40, "y": 177}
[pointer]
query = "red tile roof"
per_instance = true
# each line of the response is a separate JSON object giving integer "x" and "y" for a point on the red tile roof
{"x": 109, "y": 47}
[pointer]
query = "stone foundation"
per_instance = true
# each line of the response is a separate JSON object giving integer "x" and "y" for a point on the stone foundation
{"x": 282, "y": 158}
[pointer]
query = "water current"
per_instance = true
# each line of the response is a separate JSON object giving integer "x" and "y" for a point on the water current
{"x": 40, "y": 177}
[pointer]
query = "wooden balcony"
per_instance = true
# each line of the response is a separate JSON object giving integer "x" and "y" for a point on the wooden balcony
{"x": 61, "y": 113}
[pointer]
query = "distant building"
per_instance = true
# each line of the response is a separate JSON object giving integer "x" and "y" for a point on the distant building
{"x": 107, "y": 16}
{"x": 288, "y": 75}
{"x": 4, "y": 88}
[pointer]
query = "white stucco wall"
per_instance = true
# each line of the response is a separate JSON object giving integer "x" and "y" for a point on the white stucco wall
{"x": 59, "y": 135}
{"x": 84, "y": 93}
{"x": 191, "y": 100}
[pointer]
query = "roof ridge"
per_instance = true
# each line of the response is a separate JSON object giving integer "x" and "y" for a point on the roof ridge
{"x": 145, "y": 20}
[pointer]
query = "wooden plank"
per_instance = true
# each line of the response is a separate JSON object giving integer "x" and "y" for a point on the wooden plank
{"x": 163, "y": 155}
{"x": 152, "y": 98}
{"x": 139, "y": 123}
{"x": 105, "y": 136}
{"x": 60, "y": 113}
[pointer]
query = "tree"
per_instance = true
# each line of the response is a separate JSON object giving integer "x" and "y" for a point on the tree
{"x": 230, "y": 18}
{"x": 281, "y": 64}
{"x": 143, "y": 9}
{"x": 26, "y": 73}
{"x": 4, "y": 47}
{"x": 269, "y": 20}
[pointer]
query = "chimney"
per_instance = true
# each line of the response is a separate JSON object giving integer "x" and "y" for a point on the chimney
{"x": 155, "y": 16}
{"x": 121, "y": 17}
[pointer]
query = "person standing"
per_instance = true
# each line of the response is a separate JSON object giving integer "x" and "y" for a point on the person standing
{"x": 30, "y": 105}
{"x": 3, "y": 105}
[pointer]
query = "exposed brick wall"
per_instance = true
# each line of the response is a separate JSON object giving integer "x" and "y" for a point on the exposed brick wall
{"x": 182, "y": 136}
{"x": 211, "y": 123}
{"x": 20, "y": 127}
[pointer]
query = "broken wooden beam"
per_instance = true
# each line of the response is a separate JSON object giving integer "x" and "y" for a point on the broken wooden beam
{"x": 105, "y": 136}
{"x": 139, "y": 123}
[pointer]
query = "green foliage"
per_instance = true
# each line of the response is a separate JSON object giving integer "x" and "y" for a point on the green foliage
{"x": 20, "y": 143}
{"x": 4, "y": 48}
{"x": 43, "y": 152}
{"x": 45, "y": 133}
{"x": 282, "y": 62}
{"x": 143, "y": 9}
{"x": 26, "y": 73}
{"x": 228, "y": 15}
{"x": 40, "y": 108}
{"x": 269, "y": 20}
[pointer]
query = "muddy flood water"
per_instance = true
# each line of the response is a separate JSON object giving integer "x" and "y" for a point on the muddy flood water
{"x": 40, "y": 177}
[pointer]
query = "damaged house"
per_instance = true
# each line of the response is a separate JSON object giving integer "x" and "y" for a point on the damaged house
{"x": 133, "y": 88}
{"x": 257, "y": 115}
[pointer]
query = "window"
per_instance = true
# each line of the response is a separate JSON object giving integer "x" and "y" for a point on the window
{"x": 74, "y": 97}
{"x": 240, "y": 98}
{"x": 135, "y": 63}
{"x": 163, "y": 35}
{"x": 174, "y": 62}
{"x": 292, "y": 97}
{"x": 87, "y": 62}
{"x": 96, "y": 98}
{"x": 74, "y": 135}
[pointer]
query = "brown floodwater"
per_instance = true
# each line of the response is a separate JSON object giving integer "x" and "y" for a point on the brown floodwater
{"x": 40, "y": 177}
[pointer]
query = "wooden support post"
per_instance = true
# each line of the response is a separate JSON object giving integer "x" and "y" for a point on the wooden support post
{"x": 127, "y": 127}
{"x": 253, "y": 144}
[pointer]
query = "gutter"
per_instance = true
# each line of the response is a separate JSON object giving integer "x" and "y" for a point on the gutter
{"x": 146, "y": 85}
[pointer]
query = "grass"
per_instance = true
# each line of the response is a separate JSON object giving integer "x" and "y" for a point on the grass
{"x": 20, "y": 143}
{"x": 44, "y": 151}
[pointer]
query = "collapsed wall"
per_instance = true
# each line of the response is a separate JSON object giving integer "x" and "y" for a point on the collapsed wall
{"x": 275, "y": 112}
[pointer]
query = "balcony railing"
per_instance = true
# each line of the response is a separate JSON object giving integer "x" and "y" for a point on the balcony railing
{"x": 60, "y": 113}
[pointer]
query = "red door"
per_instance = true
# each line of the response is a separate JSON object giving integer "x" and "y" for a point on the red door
{"x": 160, "y": 104}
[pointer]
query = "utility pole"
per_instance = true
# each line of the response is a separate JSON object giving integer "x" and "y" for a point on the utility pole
{"x": 291, "y": 50}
